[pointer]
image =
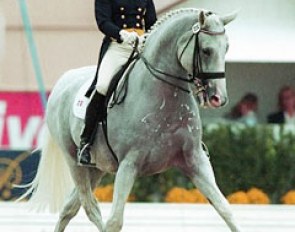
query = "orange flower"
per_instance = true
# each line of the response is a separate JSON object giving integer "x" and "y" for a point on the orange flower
{"x": 104, "y": 194}
{"x": 239, "y": 197}
{"x": 289, "y": 198}
{"x": 257, "y": 196}
{"x": 199, "y": 197}
{"x": 131, "y": 198}
{"x": 181, "y": 195}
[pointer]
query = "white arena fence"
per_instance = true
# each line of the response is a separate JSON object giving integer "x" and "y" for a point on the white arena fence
{"x": 152, "y": 217}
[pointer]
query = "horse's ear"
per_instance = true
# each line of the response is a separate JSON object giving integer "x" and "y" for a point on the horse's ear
{"x": 230, "y": 17}
{"x": 201, "y": 18}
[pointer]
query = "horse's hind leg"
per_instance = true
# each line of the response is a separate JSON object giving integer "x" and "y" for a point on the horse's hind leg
{"x": 201, "y": 174}
{"x": 70, "y": 210}
{"x": 73, "y": 204}
{"x": 123, "y": 184}
{"x": 84, "y": 183}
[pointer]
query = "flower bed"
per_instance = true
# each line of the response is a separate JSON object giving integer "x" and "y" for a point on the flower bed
{"x": 182, "y": 195}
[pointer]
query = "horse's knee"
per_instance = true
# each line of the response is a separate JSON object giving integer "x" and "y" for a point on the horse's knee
{"x": 114, "y": 225}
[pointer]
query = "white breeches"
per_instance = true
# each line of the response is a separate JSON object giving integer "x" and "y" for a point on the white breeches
{"x": 116, "y": 56}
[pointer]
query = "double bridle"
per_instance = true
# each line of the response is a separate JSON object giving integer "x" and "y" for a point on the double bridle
{"x": 198, "y": 77}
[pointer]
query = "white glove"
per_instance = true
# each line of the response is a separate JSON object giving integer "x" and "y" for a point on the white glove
{"x": 128, "y": 37}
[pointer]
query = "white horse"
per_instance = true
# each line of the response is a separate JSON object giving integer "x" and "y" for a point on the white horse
{"x": 157, "y": 126}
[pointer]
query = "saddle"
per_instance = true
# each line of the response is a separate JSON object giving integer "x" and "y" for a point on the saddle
{"x": 117, "y": 91}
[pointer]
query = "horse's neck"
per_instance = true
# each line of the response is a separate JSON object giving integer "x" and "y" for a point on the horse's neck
{"x": 161, "y": 50}
{"x": 159, "y": 93}
{"x": 161, "y": 54}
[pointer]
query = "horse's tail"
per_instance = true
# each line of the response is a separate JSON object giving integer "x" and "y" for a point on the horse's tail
{"x": 53, "y": 182}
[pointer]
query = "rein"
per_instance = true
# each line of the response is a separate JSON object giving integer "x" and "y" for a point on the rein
{"x": 197, "y": 74}
{"x": 155, "y": 73}
{"x": 112, "y": 91}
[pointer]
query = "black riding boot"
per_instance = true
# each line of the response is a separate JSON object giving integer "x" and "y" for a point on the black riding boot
{"x": 95, "y": 113}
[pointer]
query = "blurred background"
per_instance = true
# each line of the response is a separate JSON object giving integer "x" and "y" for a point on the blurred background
{"x": 63, "y": 35}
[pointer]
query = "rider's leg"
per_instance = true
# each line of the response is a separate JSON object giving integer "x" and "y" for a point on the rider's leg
{"x": 94, "y": 113}
{"x": 116, "y": 56}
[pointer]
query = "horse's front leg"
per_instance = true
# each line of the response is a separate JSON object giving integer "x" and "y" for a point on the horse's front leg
{"x": 200, "y": 171}
{"x": 124, "y": 181}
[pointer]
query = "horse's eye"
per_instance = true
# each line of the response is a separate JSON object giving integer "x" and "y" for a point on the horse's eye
{"x": 206, "y": 51}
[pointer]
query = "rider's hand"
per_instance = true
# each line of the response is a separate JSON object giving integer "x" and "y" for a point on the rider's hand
{"x": 128, "y": 37}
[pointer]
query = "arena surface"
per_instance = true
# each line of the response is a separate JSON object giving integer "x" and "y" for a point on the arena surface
{"x": 14, "y": 217}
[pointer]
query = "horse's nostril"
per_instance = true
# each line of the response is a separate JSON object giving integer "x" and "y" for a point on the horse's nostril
{"x": 215, "y": 101}
{"x": 215, "y": 98}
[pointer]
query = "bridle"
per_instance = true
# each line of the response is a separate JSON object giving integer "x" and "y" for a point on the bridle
{"x": 198, "y": 77}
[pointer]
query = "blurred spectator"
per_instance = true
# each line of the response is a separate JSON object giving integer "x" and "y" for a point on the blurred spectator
{"x": 286, "y": 103}
{"x": 245, "y": 110}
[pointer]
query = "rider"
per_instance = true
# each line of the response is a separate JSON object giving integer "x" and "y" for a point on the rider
{"x": 122, "y": 21}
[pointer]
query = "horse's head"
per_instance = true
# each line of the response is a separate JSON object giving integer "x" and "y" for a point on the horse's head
{"x": 201, "y": 52}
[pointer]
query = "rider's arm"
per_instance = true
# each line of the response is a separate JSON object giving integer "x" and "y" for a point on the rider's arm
{"x": 150, "y": 15}
{"x": 103, "y": 14}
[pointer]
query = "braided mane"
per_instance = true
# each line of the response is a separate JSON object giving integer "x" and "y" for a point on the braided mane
{"x": 163, "y": 19}
{"x": 169, "y": 15}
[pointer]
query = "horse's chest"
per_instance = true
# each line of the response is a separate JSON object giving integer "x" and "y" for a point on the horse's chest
{"x": 157, "y": 124}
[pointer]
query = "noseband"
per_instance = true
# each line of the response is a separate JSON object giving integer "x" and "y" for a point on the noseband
{"x": 201, "y": 78}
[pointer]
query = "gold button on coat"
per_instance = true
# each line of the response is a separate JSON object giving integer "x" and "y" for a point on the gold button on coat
{"x": 123, "y": 17}
{"x": 137, "y": 25}
{"x": 139, "y": 9}
{"x": 122, "y": 8}
{"x": 124, "y": 25}
{"x": 138, "y": 16}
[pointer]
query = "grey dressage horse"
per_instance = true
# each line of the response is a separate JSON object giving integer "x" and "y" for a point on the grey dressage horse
{"x": 157, "y": 126}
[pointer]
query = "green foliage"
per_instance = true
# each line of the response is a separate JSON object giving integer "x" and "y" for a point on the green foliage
{"x": 242, "y": 157}
{"x": 251, "y": 157}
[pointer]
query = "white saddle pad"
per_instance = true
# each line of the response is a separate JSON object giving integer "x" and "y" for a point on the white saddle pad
{"x": 81, "y": 102}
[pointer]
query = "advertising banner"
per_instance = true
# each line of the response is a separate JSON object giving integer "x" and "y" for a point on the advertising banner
{"x": 16, "y": 168}
{"x": 21, "y": 120}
